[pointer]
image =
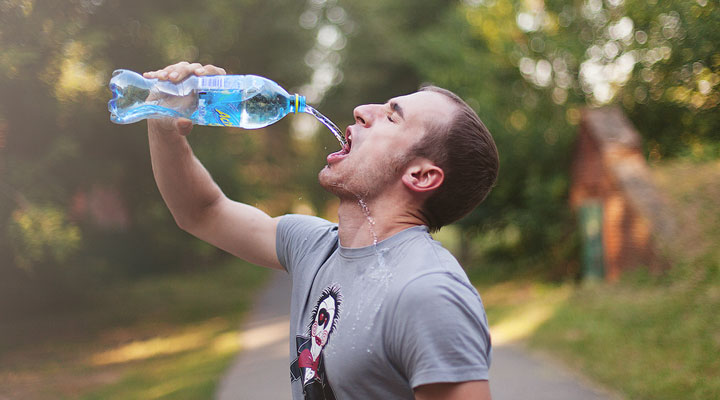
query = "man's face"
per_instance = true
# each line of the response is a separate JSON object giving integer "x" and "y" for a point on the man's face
{"x": 380, "y": 138}
{"x": 322, "y": 325}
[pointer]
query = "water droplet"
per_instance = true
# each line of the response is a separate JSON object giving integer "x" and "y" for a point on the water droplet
{"x": 370, "y": 219}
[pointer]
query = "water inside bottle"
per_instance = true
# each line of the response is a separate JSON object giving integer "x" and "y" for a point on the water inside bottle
{"x": 326, "y": 121}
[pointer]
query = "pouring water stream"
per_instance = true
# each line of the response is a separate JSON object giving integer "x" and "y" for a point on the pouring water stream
{"x": 326, "y": 121}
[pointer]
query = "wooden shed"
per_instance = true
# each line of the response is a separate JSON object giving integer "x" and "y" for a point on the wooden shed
{"x": 621, "y": 213}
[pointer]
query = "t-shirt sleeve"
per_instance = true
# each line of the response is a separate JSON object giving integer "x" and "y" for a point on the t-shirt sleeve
{"x": 300, "y": 235}
{"x": 439, "y": 332}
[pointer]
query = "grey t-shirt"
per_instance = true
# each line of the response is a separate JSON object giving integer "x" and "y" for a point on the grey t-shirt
{"x": 377, "y": 321}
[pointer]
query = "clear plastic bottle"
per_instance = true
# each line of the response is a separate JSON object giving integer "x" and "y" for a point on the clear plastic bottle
{"x": 244, "y": 101}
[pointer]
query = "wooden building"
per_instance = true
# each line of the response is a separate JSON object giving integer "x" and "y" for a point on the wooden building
{"x": 622, "y": 215}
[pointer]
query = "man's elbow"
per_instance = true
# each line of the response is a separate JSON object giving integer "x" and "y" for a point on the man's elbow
{"x": 192, "y": 221}
{"x": 184, "y": 223}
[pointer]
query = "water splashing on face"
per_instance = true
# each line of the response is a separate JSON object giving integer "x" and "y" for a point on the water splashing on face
{"x": 326, "y": 121}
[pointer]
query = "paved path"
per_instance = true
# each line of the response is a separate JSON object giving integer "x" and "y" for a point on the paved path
{"x": 516, "y": 374}
{"x": 261, "y": 370}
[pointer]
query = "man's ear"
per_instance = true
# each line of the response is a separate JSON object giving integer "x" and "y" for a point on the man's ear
{"x": 423, "y": 176}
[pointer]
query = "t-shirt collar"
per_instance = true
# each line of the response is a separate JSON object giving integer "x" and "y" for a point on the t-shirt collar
{"x": 357, "y": 252}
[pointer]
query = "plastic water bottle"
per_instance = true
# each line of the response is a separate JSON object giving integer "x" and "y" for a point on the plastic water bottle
{"x": 244, "y": 101}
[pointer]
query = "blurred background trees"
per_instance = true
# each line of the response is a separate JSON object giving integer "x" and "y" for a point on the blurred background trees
{"x": 528, "y": 67}
{"x": 78, "y": 205}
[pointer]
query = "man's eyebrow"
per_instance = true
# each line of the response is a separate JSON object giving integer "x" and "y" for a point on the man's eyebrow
{"x": 396, "y": 107}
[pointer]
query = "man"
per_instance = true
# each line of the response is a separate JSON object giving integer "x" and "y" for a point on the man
{"x": 379, "y": 310}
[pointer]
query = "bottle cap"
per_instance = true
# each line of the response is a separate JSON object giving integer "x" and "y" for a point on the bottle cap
{"x": 299, "y": 104}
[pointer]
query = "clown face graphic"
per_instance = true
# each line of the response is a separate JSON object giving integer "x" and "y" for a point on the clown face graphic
{"x": 324, "y": 318}
{"x": 309, "y": 365}
{"x": 322, "y": 325}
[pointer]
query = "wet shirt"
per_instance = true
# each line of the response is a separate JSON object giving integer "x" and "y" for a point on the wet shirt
{"x": 375, "y": 322}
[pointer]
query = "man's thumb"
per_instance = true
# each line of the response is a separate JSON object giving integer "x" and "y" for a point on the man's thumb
{"x": 183, "y": 125}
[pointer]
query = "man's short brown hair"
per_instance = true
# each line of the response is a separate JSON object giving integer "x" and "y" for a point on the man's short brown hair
{"x": 466, "y": 152}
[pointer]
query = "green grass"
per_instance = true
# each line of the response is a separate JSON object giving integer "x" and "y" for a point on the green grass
{"x": 648, "y": 337}
{"x": 164, "y": 337}
{"x": 650, "y": 340}
{"x": 185, "y": 374}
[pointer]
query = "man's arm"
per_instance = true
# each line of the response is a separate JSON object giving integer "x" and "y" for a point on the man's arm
{"x": 194, "y": 199}
{"x": 472, "y": 390}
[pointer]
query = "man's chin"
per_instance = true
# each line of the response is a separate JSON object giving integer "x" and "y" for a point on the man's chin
{"x": 332, "y": 183}
{"x": 325, "y": 179}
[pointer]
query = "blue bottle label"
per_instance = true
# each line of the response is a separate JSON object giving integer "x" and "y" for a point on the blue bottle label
{"x": 219, "y": 114}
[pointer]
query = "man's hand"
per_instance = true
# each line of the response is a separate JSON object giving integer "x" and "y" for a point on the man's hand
{"x": 177, "y": 73}
{"x": 472, "y": 390}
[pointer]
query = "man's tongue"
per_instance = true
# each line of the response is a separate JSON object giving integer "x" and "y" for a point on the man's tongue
{"x": 339, "y": 155}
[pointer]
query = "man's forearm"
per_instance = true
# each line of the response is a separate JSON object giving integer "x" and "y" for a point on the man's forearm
{"x": 195, "y": 201}
{"x": 185, "y": 185}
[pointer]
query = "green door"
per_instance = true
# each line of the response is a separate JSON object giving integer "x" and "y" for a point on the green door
{"x": 591, "y": 217}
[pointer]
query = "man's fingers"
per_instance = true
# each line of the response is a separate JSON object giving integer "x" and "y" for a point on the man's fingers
{"x": 211, "y": 70}
{"x": 180, "y": 71}
{"x": 161, "y": 74}
{"x": 175, "y": 73}
{"x": 151, "y": 74}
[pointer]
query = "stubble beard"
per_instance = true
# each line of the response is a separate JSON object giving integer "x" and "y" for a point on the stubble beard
{"x": 351, "y": 186}
{"x": 366, "y": 183}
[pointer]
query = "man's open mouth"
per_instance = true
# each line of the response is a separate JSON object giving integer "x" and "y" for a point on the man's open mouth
{"x": 342, "y": 153}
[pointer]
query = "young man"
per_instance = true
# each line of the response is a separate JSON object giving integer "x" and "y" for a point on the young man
{"x": 379, "y": 310}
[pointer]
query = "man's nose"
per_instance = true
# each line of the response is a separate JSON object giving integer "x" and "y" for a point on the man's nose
{"x": 365, "y": 114}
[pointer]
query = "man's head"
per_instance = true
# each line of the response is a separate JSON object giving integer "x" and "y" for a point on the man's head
{"x": 466, "y": 152}
{"x": 429, "y": 145}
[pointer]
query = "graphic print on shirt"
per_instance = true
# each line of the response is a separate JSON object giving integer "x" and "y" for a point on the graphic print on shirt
{"x": 309, "y": 365}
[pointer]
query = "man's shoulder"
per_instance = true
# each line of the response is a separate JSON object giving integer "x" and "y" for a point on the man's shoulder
{"x": 433, "y": 275}
{"x": 305, "y": 227}
{"x": 436, "y": 284}
{"x": 308, "y": 221}
{"x": 425, "y": 262}
{"x": 298, "y": 236}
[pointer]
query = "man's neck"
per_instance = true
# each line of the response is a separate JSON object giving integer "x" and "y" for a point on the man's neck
{"x": 363, "y": 223}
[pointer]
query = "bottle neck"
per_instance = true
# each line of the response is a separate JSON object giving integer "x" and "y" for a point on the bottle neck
{"x": 297, "y": 103}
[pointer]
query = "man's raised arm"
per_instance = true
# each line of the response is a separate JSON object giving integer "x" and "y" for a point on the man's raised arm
{"x": 194, "y": 199}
